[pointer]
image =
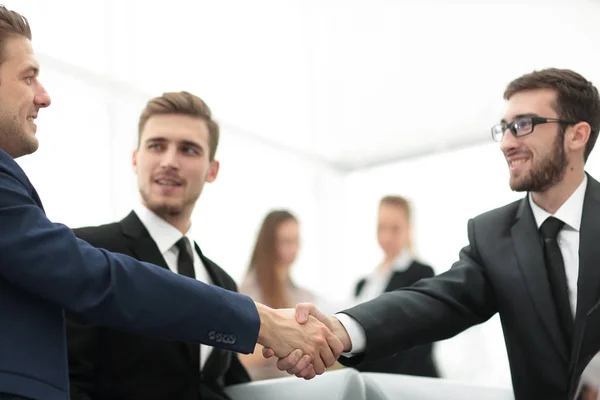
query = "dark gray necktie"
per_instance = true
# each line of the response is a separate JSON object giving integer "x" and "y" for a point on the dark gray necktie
{"x": 185, "y": 261}
{"x": 556, "y": 275}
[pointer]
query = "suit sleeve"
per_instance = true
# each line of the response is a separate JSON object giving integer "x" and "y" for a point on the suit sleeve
{"x": 47, "y": 260}
{"x": 236, "y": 373}
{"x": 432, "y": 309}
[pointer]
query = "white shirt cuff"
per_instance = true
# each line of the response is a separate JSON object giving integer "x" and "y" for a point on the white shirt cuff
{"x": 358, "y": 337}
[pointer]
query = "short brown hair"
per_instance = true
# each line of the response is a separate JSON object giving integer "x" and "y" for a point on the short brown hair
{"x": 576, "y": 98}
{"x": 182, "y": 103}
{"x": 397, "y": 201}
{"x": 12, "y": 24}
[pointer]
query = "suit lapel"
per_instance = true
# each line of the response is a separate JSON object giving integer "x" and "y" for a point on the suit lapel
{"x": 142, "y": 244}
{"x": 530, "y": 256}
{"x": 396, "y": 281}
{"x": 588, "y": 283}
{"x": 400, "y": 279}
{"x": 210, "y": 268}
{"x": 359, "y": 287}
{"x": 145, "y": 249}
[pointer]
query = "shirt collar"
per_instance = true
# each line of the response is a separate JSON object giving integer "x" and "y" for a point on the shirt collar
{"x": 164, "y": 234}
{"x": 402, "y": 261}
{"x": 570, "y": 212}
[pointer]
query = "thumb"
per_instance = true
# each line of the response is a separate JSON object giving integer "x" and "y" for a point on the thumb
{"x": 268, "y": 353}
{"x": 303, "y": 310}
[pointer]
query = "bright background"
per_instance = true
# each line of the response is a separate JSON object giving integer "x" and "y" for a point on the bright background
{"x": 325, "y": 106}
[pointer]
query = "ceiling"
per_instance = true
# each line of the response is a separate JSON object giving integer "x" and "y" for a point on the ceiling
{"x": 352, "y": 84}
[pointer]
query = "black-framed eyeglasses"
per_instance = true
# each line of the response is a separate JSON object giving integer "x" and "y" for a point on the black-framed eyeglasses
{"x": 523, "y": 126}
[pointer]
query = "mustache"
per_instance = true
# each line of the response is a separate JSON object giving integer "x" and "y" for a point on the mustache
{"x": 517, "y": 153}
{"x": 168, "y": 176}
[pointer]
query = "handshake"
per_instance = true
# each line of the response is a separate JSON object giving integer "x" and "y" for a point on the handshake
{"x": 305, "y": 341}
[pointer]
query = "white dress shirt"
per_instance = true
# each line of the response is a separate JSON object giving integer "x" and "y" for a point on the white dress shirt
{"x": 166, "y": 236}
{"x": 568, "y": 241}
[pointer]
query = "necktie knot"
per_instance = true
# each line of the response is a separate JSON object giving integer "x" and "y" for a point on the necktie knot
{"x": 183, "y": 244}
{"x": 551, "y": 227}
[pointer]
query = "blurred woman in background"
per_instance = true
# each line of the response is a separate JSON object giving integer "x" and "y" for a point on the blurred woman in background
{"x": 398, "y": 269}
{"x": 268, "y": 280}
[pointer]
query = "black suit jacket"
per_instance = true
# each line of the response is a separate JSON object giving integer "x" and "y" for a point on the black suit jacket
{"x": 501, "y": 270}
{"x": 109, "y": 364}
{"x": 415, "y": 361}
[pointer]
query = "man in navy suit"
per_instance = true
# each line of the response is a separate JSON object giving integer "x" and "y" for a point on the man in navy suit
{"x": 45, "y": 269}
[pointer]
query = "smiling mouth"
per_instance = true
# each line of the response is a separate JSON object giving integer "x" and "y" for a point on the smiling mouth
{"x": 166, "y": 182}
{"x": 518, "y": 162}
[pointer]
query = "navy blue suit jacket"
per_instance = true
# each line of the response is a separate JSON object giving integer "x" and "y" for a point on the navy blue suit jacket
{"x": 45, "y": 270}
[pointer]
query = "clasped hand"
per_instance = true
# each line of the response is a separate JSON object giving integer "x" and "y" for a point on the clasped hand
{"x": 316, "y": 348}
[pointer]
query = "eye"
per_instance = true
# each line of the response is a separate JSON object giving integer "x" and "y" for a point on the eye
{"x": 523, "y": 123}
{"x": 29, "y": 80}
{"x": 154, "y": 146}
{"x": 189, "y": 150}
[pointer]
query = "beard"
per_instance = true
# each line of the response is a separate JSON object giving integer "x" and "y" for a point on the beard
{"x": 168, "y": 208}
{"x": 14, "y": 138}
{"x": 547, "y": 172}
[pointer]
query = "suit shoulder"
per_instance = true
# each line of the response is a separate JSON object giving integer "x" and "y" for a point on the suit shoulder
{"x": 10, "y": 167}
{"x": 99, "y": 236}
{"x": 501, "y": 215}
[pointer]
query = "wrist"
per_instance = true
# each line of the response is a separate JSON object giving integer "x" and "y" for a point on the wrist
{"x": 265, "y": 314}
{"x": 341, "y": 333}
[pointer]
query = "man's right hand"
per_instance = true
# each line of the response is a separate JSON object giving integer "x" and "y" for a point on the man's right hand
{"x": 311, "y": 340}
{"x": 296, "y": 363}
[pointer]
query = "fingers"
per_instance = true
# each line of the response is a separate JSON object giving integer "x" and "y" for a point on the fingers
{"x": 336, "y": 346}
{"x": 323, "y": 356}
{"x": 304, "y": 362}
{"x": 287, "y": 363}
{"x": 326, "y": 357}
{"x": 304, "y": 310}
{"x": 307, "y": 373}
{"x": 318, "y": 364}
{"x": 268, "y": 353}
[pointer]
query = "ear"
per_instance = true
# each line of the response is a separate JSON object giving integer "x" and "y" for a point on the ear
{"x": 578, "y": 136}
{"x": 134, "y": 161}
{"x": 213, "y": 171}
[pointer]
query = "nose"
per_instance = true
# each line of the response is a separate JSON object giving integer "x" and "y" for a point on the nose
{"x": 509, "y": 142}
{"x": 169, "y": 159}
{"x": 41, "y": 98}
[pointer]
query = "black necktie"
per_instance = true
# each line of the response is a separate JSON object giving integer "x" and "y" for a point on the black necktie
{"x": 556, "y": 274}
{"x": 185, "y": 262}
{"x": 185, "y": 267}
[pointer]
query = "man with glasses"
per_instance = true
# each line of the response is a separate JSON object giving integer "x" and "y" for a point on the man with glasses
{"x": 535, "y": 261}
